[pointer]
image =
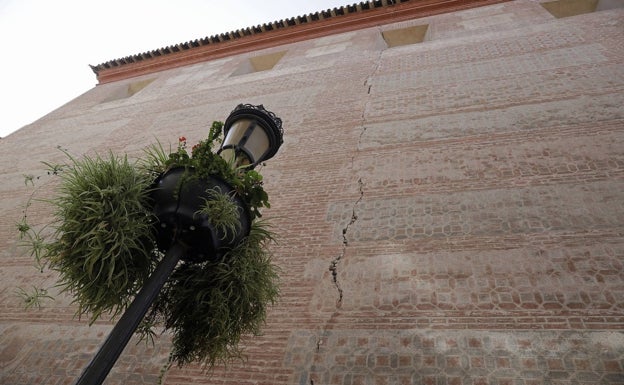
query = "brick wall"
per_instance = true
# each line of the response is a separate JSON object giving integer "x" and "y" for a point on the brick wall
{"x": 449, "y": 212}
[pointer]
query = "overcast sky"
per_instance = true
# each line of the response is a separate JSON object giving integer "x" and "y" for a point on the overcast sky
{"x": 47, "y": 45}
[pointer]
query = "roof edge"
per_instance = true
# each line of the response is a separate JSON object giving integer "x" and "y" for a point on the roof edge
{"x": 314, "y": 25}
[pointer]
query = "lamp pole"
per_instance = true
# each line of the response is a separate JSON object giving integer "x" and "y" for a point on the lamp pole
{"x": 252, "y": 135}
{"x": 101, "y": 364}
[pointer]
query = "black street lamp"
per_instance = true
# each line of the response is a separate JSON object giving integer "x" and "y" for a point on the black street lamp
{"x": 252, "y": 135}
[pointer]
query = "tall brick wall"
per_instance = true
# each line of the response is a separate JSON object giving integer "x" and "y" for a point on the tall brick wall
{"x": 449, "y": 212}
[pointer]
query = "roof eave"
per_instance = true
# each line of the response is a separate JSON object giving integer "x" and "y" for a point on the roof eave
{"x": 319, "y": 24}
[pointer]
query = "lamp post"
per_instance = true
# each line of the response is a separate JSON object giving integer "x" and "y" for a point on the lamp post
{"x": 252, "y": 135}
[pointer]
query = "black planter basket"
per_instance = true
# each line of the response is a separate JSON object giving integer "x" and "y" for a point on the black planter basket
{"x": 178, "y": 196}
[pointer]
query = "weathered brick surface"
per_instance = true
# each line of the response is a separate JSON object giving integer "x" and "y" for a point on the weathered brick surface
{"x": 41, "y": 353}
{"x": 454, "y": 357}
{"x": 449, "y": 212}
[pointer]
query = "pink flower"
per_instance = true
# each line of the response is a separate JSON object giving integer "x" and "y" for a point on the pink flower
{"x": 182, "y": 139}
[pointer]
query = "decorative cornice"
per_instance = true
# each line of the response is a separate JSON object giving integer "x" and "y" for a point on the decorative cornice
{"x": 314, "y": 25}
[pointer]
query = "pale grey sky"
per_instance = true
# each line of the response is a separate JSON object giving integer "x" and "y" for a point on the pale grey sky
{"x": 47, "y": 46}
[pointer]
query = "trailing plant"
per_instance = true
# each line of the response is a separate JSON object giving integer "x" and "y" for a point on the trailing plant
{"x": 102, "y": 242}
{"x": 211, "y": 305}
{"x": 34, "y": 297}
{"x": 222, "y": 211}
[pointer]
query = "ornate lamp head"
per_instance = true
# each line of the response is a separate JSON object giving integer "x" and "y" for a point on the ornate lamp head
{"x": 252, "y": 135}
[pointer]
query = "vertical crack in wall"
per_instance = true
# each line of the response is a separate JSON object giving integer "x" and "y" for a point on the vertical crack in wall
{"x": 309, "y": 373}
{"x": 333, "y": 266}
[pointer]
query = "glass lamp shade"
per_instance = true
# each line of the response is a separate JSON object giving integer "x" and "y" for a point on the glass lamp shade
{"x": 252, "y": 135}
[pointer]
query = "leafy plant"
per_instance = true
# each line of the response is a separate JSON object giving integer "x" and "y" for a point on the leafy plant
{"x": 253, "y": 193}
{"x": 38, "y": 248}
{"x": 23, "y": 227}
{"x": 222, "y": 211}
{"x": 155, "y": 160}
{"x": 34, "y": 297}
{"x": 103, "y": 245}
{"x": 206, "y": 163}
{"x": 210, "y": 306}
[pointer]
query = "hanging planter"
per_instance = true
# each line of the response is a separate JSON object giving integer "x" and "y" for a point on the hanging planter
{"x": 192, "y": 211}
{"x": 115, "y": 219}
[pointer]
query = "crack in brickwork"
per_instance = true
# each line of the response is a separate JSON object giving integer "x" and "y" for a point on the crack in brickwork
{"x": 333, "y": 267}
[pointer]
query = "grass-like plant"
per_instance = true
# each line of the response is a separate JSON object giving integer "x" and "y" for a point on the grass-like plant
{"x": 34, "y": 297}
{"x": 103, "y": 245}
{"x": 221, "y": 210}
{"x": 209, "y": 306}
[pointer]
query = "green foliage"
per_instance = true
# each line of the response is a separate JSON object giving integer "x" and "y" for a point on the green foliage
{"x": 29, "y": 178}
{"x": 203, "y": 158}
{"x": 38, "y": 248}
{"x": 103, "y": 243}
{"x": 222, "y": 212}
{"x": 53, "y": 169}
{"x": 23, "y": 227}
{"x": 247, "y": 183}
{"x": 210, "y": 306}
{"x": 253, "y": 193}
{"x": 31, "y": 238}
{"x": 155, "y": 161}
{"x": 34, "y": 297}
